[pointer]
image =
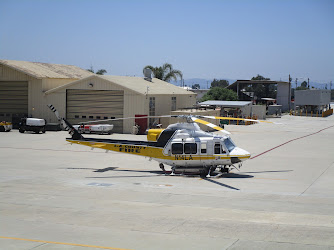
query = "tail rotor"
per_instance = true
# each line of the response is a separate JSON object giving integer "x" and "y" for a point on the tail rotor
{"x": 66, "y": 125}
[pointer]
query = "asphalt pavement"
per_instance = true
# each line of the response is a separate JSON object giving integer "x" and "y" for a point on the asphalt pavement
{"x": 54, "y": 195}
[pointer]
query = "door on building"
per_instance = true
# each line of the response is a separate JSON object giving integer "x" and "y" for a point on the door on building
{"x": 88, "y": 105}
{"x": 13, "y": 101}
{"x": 142, "y": 123}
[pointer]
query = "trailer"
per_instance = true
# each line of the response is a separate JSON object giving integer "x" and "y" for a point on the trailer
{"x": 5, "y": 126}
{"x": 94, "y": 129}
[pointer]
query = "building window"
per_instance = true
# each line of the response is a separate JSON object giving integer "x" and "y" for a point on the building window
{"x": 173, "y": 108}
{"x": 177, "y": 148}
{"x": 190, "y": 148}
{"x": 91, "y": 117}
{"x": 83, "y": 116}
{"x": 76, "y": 116}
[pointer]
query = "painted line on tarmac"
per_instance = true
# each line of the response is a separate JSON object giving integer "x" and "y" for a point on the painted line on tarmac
{"x": 289, "y": 142}
{"x": 272, "y": 179}
{"x": 62, "y": 243}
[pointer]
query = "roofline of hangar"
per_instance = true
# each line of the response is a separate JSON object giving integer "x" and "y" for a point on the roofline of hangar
{"x": 103, "y": 77}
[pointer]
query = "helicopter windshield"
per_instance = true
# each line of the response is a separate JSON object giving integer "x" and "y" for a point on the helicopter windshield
{"x": 229, "y": 144}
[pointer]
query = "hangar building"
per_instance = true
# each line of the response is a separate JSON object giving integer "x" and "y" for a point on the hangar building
{"x": 22, "y": 87}
{"x": 100, "y": 97}
{"x": 27, "y": 87}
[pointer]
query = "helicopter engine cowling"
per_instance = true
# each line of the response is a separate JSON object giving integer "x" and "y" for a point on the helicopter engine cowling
{"x": 153, "y": 134}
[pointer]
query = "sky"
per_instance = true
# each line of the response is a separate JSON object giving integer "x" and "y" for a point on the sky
{"x": 226, "y": 39}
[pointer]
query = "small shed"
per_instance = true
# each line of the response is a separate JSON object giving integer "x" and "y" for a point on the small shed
{"x": 230, "y": 108}
{"x": 283, "y": 95}
{"x": 313, "y": 99}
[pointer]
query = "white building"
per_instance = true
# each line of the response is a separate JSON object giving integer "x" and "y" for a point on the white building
{"x": 100, "y": 97}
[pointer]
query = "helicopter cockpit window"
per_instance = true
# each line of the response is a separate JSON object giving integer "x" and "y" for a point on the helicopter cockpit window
{"x": 223, "y": 149}
{"x": 177, "y": 148}
{"x": 190, "y": 148}
{"x": 217, "y": 148}
{"x": 229, "y": 144}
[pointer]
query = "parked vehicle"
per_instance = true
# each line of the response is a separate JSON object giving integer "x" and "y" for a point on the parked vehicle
{"x": 32, "y": 124}
{"x": 5, "y": 126}
{"x": 94, "y": 129}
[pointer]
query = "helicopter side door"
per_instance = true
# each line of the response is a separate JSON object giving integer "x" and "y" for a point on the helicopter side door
{"x": 220, "y": 151}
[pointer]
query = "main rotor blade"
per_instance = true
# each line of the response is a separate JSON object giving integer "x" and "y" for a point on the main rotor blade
{"x": 235, "y": 119}
{"x": 211, "y": 125}
{"x": 127, "y": 118}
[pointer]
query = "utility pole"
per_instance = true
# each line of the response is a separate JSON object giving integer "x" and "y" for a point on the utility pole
{"x": 296, "y": 82}
{"x": 289, "y": 92}
{"x": 308, "y": 83}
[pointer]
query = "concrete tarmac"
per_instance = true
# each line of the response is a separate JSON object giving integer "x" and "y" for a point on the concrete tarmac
{"x": 54, "y": 195}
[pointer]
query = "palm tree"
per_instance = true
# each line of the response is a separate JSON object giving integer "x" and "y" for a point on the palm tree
{"x": 165, "y": 72}
{"x": 99, "y": 72}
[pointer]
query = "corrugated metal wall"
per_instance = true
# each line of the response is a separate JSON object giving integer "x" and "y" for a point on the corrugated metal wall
{"x": 11, "y": 76}
{"x": 84, "y": 105}
{"x": 13, "y": 101}
{"x": 133, "y": 103}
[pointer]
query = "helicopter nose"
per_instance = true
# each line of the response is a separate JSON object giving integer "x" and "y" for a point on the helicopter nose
{"x": 240, "y": 153}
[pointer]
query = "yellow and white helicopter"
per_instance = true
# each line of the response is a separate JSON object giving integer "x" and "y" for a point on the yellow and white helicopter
{"x": 183, "y": 146}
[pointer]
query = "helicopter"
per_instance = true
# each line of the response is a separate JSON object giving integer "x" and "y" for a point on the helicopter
{"x": 182, "y": 146}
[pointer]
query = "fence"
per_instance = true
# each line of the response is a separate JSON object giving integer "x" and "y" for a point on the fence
{"x": 312, "y": 114}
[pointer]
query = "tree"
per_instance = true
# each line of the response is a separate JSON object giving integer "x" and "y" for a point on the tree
{"x": 303, "y": 84}
{"x": 165, "y": 72}
{"x": 259, "y": 77}
{"x": 196, "y": 86}
{"x": 219, "y": 83}
{"x": 222, "y": 94}
{"x": 99, "y": 72}
{"x": 261, "y": 90}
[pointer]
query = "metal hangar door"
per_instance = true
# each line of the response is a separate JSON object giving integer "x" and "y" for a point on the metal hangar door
{"x": 87, "y": 105}
{"x": 13, "y": 101}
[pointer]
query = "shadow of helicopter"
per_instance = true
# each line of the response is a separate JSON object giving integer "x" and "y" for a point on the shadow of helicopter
{"x": 157, "y": 173}
{"x": 271, "y": 171}
{"x": 221, "y": 184}
{"x": 160, "y": 173}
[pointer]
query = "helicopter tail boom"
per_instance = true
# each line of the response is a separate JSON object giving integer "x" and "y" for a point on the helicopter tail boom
{"x": 66, "y": 125}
